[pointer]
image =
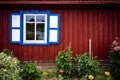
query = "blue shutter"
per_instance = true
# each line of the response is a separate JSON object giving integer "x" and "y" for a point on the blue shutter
{"x": 15, "y": 28}
{"x": 54, "y": 29}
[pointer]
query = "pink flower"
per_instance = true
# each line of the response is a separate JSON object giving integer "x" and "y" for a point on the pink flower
{"x": 115, "y": 43}
{"x": 117, "y": 48}
{"x": 116, "y": 38}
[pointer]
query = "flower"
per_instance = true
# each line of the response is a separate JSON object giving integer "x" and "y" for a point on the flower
{"x": 91, "y": 77}
{"x": 107, "y": 73}
{"x": 44, "y": 73}
{"x": 4, "y": 70}
{"x": 116, "y": 38}
{"x": 61, "y": 71}
{"x": 115, "y": 43}
{"x": 117, "y": 48}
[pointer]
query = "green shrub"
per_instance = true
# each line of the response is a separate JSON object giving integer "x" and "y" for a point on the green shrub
{"x": 9, "y": 67}
{"x": 115, "y": 67}
{"x": 64, "y": 63}
{"x": 8, "y": 52}
{"x": 29, "y": 71}
{"x": 84, "y": 77}
{"x": 103, "y": 76}
{"x": 114, "y": 58}
{"x": 84, "y": 65}
{"x": 46, "y": 75}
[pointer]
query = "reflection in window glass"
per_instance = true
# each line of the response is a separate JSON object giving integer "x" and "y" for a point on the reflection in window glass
{"x": 40, "y": 18}
{"x": 40, "y": 29}
{"x": 30, "y": 31}
{"x": 30, "y": 18}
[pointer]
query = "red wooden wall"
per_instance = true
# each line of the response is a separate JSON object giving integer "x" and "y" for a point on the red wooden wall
{"x": 77, "y": 25}
{"x": 60, "y": 0}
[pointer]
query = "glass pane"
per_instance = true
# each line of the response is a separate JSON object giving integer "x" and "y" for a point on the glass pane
{"x": 40, "y": 18}
{"x": 30, "y": 18}
{"x": 30, "y": 31}
{"x": 40, "y": 30}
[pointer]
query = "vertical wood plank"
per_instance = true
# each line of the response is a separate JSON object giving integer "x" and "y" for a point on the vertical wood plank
{"x": 90, "y": 28}
{"x": 95, "y": 33}
{"x": 85, "y": 31}
{"x": 80, "y": 31}
{"x": 105, "y": 32}
{"x": 1, "y": 30}
{"x": 100, "y": 34}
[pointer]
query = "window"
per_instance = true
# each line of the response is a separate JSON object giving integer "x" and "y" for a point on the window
{"x": 34, "y": 28}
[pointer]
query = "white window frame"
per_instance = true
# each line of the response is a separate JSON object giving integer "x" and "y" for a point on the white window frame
{"x": 24, "y": 30}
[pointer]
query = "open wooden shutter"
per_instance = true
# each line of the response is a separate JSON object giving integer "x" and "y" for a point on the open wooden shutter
{"x": 15, "y": 28}
{"x": 54, "y": 29}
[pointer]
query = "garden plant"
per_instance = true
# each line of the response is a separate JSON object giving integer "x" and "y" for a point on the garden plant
{"x": 29, "y": 71}
{"x": 114, "y": 58}
{"x": 9, "y": 66}
{"x": 64, "y": 63}
{"x": 82, "y": 66}
{"x": 85, "y": 66}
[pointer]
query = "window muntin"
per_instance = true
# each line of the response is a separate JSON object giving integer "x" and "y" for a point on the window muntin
{"x": 35, "y": 28}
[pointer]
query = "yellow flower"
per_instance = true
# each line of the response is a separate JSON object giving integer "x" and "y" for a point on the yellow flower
{"x": 107, "y": 73}
{"x": 91, "y": 77}
{"x": 44, "y": 73}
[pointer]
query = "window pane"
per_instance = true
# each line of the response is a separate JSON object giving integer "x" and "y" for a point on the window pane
{"x": 30, "y": 31}
{"x": 30, "y": 18}
{"x": 40, "y": 29}
{"x": 40, "y": 18}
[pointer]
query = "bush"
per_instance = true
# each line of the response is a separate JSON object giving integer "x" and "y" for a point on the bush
{"x": 29, "y": 71}
{"x": 8, "y": 52}
{"x": 114, "y": 58}
{"x": 104, "y": 76}
{"x": 46, "y": 75}
{"x": 100, "y": 77}
{"x": 84, "y": 77}
{"x": 84, "y": 65}
{"x": 64, "y": 63}
{"x": 9, "y": 67}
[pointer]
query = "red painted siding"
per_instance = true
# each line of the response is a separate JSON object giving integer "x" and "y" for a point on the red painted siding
{"x": 1, "y": 31}
{"x": 66, "y": 0}
{"x": 76, "y": 27}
